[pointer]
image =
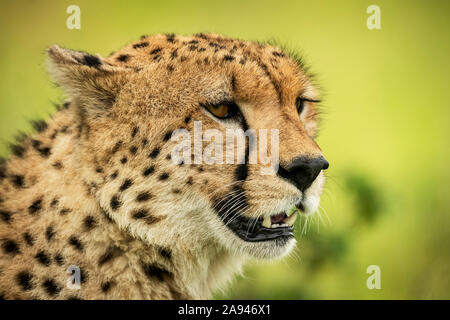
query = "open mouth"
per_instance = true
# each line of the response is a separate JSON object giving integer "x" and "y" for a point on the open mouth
{"x": 279, "y": 226}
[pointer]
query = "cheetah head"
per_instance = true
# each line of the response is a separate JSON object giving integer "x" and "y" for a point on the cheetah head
{"x": 132, "y": 108}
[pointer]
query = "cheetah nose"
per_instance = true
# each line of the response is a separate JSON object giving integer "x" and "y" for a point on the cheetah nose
{"x": 303, "y": 171}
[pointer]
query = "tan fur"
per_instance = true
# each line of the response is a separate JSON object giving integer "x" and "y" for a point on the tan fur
{"x": 120, "y": 111}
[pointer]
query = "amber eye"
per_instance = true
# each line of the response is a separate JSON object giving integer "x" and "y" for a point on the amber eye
{"x": 220, "y": 111}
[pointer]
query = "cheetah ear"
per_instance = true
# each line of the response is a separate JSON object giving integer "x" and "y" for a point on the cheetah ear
{"x": 89, "y": 80}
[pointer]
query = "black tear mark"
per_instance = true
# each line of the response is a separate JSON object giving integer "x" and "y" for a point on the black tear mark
{"x": 123, "y": 58}
{"x": 155, "y": 271}
{"x": 43, "y": 258}
{"x": 35, "y": 206}
{"x": 28, "y": 238}
{"x": 89, "y": 222}
{"x": 10, "y": 247}
{"x": 75, "y": 242}
{"x": 115, "y": 202}
{"x": 51, "y": 287}
{"x": 126, "y": 184}
{"x": 140, "y": 45}
{"x": 24, "y": 280}
{"x": 49, "y": 233}
{"x": 5, "y": 216}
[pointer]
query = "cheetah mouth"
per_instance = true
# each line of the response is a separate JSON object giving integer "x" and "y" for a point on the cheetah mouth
{"x": 274, "y": 227}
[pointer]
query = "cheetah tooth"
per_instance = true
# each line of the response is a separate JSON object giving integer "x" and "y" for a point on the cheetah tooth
{"x": 291, "y": 219}
{"x": 266, "y": 222}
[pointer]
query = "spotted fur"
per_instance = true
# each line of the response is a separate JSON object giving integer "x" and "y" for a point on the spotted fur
{"x": 95, "y": 186}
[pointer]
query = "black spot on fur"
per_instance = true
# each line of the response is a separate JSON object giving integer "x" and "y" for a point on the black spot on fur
{"x": 59, "y": 259}
{"x": 144, "y": 142}
{"x": 64, "y": 211}
{"x": 126, "y": 184}
{"x": 5, "y": 216}
{"x": 163, "y": 176}
{"x": 91, "y": 61}
{"x": 17, "y": 149}
{"x": 123, "y": 57}
{"x": 154, "y": 153}
{"x": 124, "y": 160}
{"x": 105, "y": 286}
{"x": 99, "y": 170}
{"x": 10, "y": 247}
{"x": 49, "y": 233}
{"x": 28, "y": 238}
{"x": 170, "y": 68}
{"x": 57, "y": 165}
{"x": 228, "y": 58}
{"x": 154, "y": 271}
{"x": 110, "y": 254}
{"x": 140, "y": 214}
{"x": 189, "y": 181}
{"x": 167, "y": 136}
{"x": 43, "y": 258}
{"x": 89, "y": 222}
{"x": 176, "y": 191}
{"x": 115, "y": 202}
{"x": 170, "y": 38}
{"x": 140, "y": 45}
{"x": 54, "y": 203}
{"x": 164, "y": 252}
{"x": 83, "y": 275}
{"x": 116, "y": 147}
{"x": 174, "y": 54}
{"x": 187, "y": 119}
{"x": 155, "y": 51}
{"x": 148, "y": 171}
{"x": 39, "y": 125}
{"x": 17, "y": 180}
{"x": 134, "y": 132}
{"x": 35, "y": 206}
{"x": 75, "y": 242}
{"x": 133, "y": 150}
{"x": 51, "y": 287}
{"x": 24, "y": 280}
{"x": 143, "y": 196}
{"x": 114, "y": 175}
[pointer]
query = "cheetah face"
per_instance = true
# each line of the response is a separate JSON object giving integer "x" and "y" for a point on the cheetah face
{"x": 143, "y": 102}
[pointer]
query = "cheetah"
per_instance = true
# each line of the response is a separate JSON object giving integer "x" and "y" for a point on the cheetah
{"x": 94, "y": 190}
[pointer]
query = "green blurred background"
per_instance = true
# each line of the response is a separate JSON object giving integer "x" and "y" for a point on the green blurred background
{"x": 385, "y": 129}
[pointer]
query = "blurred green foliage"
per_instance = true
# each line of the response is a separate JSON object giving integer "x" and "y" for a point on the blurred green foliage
{"x": 385, "y": 129}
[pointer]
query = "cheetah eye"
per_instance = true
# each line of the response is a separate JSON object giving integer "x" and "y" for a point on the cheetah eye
{"x": 223, "y": 110}
{"x": 300, "y": 103}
